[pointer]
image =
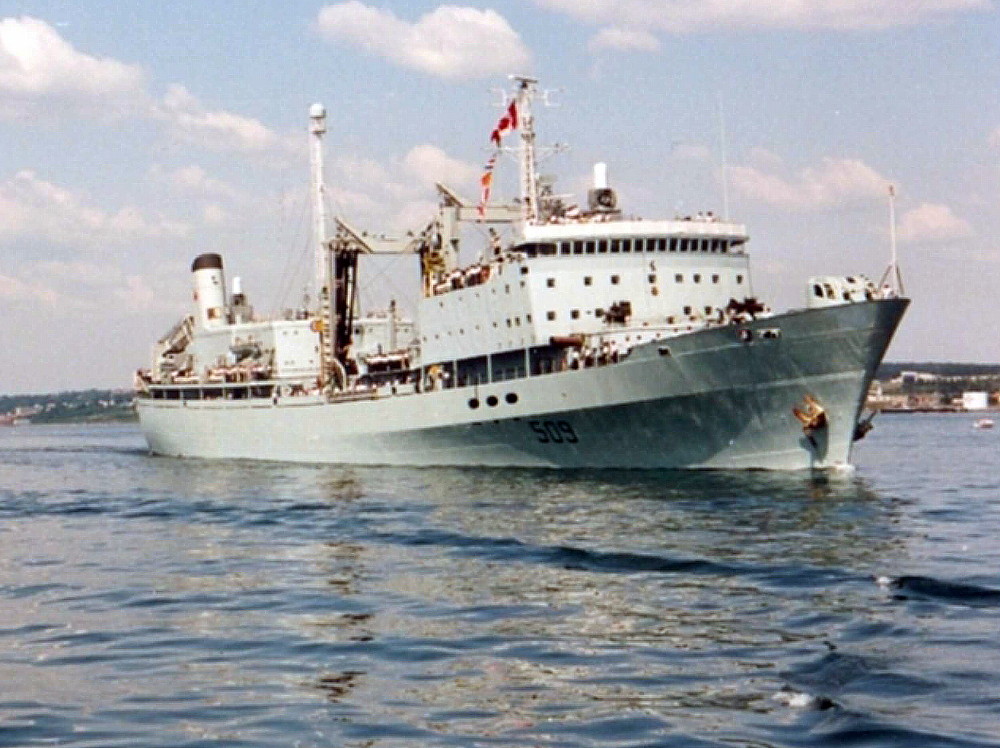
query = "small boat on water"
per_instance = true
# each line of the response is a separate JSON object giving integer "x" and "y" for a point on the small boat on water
{"x": 983, "y": 423}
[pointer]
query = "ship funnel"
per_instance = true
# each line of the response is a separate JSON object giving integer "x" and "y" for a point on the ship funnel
{"x": 209, "y": 290}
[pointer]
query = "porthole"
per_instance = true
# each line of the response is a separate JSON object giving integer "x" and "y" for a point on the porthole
{"x": 474, "y": 402}
{"x": 511, "y": 397}
{"x": 492, "y": 401}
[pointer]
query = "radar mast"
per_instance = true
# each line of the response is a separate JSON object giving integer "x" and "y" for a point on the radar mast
{"x": 317, "y": 128}
{"x": 526, "y": 91}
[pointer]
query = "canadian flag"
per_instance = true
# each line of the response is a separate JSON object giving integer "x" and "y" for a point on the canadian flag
{"x": 506, "y": 125}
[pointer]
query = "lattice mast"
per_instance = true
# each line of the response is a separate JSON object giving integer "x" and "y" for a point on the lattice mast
{"x": 525, "y": 96}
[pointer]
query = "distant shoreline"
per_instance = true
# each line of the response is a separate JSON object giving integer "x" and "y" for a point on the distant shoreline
{"x": 81, "y": 406}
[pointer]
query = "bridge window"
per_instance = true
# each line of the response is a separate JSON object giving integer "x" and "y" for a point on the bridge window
{"x": 565, "y": 248}
{"x": 626, "y": 245}
{"x": 685, "y": 245}
{"x": 661, "y": 245}
{"x": 532, "y": 249}
{"x": 578, "y": 248}
{"x": 616, "y": 245}
{"x": 673, "y": 245}
{"x": 640, "y": 245}
{"x": 602, "y": 247}
{"x": 590, "y": 248}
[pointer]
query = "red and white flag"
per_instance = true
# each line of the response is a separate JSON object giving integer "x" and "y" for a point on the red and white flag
{"x": 506, "y": 125}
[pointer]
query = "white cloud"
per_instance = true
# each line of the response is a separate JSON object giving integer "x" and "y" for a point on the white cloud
{"x": 413, "y": 215}
{"x": 930, "y": 222}
{"x": 835, "y": 182}
{"x": 135, "y": 293}
{"x": 79, "y": 286}
{"x": 353, "y": 169}
{"x": 623, "y": 39}
{"x": 214, "y": 214}
{"x": 32, "y": 207}
{"x": 190, "y": 121}
{"x": 194, "y": 179}
{"x": 688, "y": 16}
{"x": 450, "y": 41}
{"x": 429, "y": 164}
{"x": 42, "y": 75}
{"x": 18, "y": 291}
{"x": 690, "y": 152}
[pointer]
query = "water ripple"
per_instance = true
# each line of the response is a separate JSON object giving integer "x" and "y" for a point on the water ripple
{"x": 159, "y": 602}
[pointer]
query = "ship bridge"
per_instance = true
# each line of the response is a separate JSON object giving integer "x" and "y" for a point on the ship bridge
{"x": 585, "y": 237}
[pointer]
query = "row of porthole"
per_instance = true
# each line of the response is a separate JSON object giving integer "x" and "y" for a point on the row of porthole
{"x": 493, "y": 401}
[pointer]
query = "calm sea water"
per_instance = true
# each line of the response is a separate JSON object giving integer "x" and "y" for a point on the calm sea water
{"x": 158, "y": 602}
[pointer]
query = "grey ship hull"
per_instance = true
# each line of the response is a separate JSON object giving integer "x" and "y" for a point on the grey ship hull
{"x": 707, "y": 399}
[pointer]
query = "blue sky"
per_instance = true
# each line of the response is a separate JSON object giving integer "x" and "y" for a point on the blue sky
{"x": 138, "y": 135}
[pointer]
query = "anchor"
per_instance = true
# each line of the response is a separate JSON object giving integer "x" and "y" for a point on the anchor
{"x": 812, "y": 416}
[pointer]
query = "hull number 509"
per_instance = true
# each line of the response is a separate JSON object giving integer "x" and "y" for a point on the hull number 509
{"x": 554, "y": 432}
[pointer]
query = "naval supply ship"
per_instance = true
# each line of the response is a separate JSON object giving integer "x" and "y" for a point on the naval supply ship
{"x": 575, "y": 336}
